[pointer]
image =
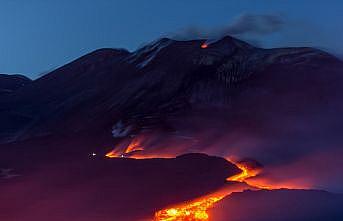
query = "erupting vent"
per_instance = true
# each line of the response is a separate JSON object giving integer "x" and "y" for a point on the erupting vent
{"x": 204, "y": 45}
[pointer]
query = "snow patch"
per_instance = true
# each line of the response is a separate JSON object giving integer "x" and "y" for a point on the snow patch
{"x": 145, "y": 55}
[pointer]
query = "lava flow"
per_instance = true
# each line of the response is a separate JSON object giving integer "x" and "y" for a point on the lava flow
{"x": 197, "y": 210}
{"x": 245, "y": 174}
{"x": 194, "y": 211}
{"x": 133, "y": 147}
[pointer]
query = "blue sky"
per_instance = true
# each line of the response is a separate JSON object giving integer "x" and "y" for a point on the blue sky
{"x": 39, "y": 35}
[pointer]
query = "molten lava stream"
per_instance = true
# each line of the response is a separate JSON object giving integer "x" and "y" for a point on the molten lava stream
{"x": 197, "y": 209}
{"x": 193, "y": 211}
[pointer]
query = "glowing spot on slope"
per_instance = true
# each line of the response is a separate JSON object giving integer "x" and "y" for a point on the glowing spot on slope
{"x": 134, "y": 146}
{"x": 204, "y": 45}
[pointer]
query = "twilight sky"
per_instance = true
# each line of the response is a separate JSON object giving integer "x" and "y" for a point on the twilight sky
{"x": 39, "y": 35}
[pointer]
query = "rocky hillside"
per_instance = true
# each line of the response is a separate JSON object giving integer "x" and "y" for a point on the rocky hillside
{"x": 107, "y": 86}
{"x": 10, "y": 83}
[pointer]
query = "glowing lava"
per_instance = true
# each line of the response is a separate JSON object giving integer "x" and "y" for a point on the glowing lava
{"x": 133, "y": 147}
{"x": 204, "y": 45}
{"x": 111, "y": 155}
{"x": 249, "y": 171}
{"x": 246, "y": 173}
{"x": 197, "y": 210}
{"x": 194, "y": 211}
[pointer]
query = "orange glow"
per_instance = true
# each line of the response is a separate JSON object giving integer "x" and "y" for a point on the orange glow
{"x": 194, "y": 211}
{"x": 263, "y": 183}
{"x": 197, "y": 210}
{"x": 112, "y": 154}
{"x": 245, "y": 174}
{"x": 204, "y": 45}
{"x": 250, "y": 176}
{"x": 134, "y": 146}
{"x": 248, "y": 172}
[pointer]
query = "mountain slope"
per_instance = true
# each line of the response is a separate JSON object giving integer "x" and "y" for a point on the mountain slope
{"x": 280, "y": 205}
{"x": 82, "y": 188}
{"x": 108, "y": 85}
{"x": 9, "y": 83}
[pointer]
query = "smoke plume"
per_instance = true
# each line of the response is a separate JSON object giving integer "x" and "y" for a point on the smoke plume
{"x": 244, "y": 24}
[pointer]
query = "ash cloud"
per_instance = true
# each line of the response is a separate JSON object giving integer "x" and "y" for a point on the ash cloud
{"x": 269, "y": 31}
{"x": 254, "y": 24}
{"x": 242, "y": 25}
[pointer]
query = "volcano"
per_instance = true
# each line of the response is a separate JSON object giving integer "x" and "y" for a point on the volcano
{"x": 142, "y": 88}
{"x": 279, "y": 107}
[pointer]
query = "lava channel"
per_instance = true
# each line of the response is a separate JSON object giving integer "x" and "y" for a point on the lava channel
{"x": 197, "y": 210}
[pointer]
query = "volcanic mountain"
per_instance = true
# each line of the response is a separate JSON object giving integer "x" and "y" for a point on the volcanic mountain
{"x": 280, "y": 108}
{"x": 98, "y": 90}
{"x": 281, "y": 205}
{"x": 174, "y": 97}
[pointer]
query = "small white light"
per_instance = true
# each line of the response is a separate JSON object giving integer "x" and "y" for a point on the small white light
{"x": 93, "y": 154}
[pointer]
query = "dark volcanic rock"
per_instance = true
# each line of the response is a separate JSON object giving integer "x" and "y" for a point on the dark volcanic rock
{"x": 11, "y": 82}
{"x": 224, "y": 100}
{"x": 279, "y": 205}
{"x": 97, "y": 90}
{"x": 89, "y": 188}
